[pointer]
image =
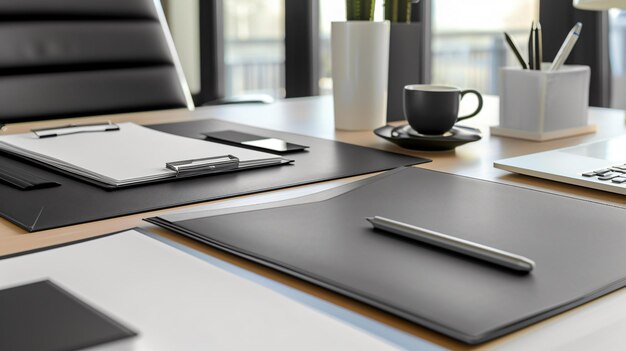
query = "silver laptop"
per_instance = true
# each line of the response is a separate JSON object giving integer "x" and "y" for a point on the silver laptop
{"x": 599, "y": 165}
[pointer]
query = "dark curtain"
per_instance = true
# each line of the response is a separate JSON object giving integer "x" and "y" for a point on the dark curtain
{"x": 557, "y": 19}
{"x": 422, "y": 12}
{"x": 301, "y": 48}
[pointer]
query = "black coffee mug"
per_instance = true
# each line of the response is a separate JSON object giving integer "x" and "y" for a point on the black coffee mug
{"x": 434, "y": 109}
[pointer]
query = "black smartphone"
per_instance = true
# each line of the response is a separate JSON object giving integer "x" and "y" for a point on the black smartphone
{"x": 256, "y": 142}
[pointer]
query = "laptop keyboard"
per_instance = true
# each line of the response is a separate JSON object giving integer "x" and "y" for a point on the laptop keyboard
{"x": 615, "y": 174}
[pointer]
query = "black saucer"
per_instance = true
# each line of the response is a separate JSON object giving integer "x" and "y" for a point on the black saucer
{"x": 404, "y": 136}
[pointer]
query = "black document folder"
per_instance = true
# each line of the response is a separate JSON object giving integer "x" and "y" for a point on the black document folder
{"x": 577, "y": 246}
{"x": 76, "y": 201}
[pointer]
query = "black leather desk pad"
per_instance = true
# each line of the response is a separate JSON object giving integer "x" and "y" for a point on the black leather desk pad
{"x": 42, "y": 316}
{"x": 578, "y": 247}
{"x": 77, "y": 201}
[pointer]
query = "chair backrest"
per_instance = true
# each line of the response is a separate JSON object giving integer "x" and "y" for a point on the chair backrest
{"x": 67, "y": 58}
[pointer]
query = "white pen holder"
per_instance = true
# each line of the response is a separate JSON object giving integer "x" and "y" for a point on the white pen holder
{"x": 544, "y": 105}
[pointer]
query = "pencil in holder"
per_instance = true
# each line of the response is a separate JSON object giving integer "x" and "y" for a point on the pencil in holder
{"x": 544, "y": 105}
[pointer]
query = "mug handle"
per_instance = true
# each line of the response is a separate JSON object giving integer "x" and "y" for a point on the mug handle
{"x": 480, "y": 103}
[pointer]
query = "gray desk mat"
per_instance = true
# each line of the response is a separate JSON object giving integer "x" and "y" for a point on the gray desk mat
{"x": 578, "y": 247}
{"x": 76, "y": 201}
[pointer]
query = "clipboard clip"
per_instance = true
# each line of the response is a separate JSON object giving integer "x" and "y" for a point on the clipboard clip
{"x": 204, "y": 165}
{"x": 74, "y": 128}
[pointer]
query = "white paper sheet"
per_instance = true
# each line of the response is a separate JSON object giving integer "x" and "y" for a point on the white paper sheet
{"x": 176, "y": 301}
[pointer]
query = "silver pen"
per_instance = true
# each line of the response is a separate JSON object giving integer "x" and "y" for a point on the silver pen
{"x": 465, "y": 247}
{"x": 567, "y": 47}
{"x": 74, "y": 129}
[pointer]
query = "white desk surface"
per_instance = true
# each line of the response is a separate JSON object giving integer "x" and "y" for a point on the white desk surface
{"x": 599, "y": 323}
{"x": 187, "y": 301}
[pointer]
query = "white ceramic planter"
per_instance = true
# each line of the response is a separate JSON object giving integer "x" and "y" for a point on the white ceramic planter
{"x": 360, "y": 66}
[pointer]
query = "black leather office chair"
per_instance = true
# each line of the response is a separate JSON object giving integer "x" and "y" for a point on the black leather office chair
{"x": 66, "y": 58}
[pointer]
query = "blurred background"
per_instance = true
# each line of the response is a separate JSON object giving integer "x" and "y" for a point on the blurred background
{"x": 467, "y": 46}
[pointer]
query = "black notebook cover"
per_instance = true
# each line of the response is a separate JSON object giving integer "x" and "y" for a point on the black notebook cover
{"x": 577, "y": 246}
{"x": 76, "y": 201}
{"x": 42, "y": 316}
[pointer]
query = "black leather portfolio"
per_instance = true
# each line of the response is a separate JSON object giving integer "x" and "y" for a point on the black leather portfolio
{"x": 324, "y": 238}
{"x": 76, "y": 201}
{"x": 43, "y": 316}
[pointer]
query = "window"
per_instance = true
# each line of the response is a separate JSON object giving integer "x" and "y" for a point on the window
{"x": 467, "y": 42}
{"x": 468, "y": 46}
{"x": 330, "y": 11}
{"x": 617, "y": 47}
{"x": 254, "y": 49}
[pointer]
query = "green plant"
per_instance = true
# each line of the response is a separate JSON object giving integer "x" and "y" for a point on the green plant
{"x": 360, "y": 10}
{"x": 398, "y": 10}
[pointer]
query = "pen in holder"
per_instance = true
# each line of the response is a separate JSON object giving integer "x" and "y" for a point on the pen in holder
{"x": 544, "y": 105}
